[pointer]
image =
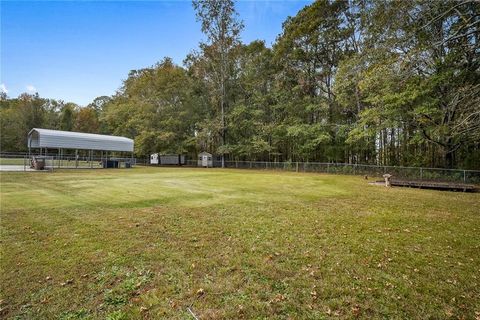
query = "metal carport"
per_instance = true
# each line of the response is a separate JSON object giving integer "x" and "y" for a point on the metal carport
{"x": 44, "y": 139}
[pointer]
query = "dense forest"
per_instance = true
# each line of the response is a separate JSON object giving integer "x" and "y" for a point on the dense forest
{"x": 358, "y": 81}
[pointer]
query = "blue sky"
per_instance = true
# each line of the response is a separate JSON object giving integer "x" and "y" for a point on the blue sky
{"x": 78, "y": 50}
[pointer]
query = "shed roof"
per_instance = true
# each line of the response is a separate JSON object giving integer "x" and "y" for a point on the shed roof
{"x": 46, "y": 138}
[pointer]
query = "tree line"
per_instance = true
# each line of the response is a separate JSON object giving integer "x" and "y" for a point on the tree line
{"x": 358, "y": 81}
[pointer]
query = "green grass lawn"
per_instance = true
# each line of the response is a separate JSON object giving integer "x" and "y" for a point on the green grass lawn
{"x": 234, "y": 244}
{"x": 13, "y": 161}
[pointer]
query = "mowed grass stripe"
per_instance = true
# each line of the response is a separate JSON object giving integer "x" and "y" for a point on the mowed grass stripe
{"x": 107, "y": 190}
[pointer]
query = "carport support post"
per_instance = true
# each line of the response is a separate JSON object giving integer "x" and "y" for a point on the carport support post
{"x": 91, "y": 163}
{"x": 76, "y": 158}
{"x": 29, "y": 151}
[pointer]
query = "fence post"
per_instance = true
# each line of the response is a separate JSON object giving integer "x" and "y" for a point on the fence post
{"x": 296, "y": 167}
{"x": 250, "y": 164}
{"x": 421, "y": 173}
{"x": 464, "y": 176}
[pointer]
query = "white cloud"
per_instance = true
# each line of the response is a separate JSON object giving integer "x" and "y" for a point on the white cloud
{"x": 31, "y": 89}
{"x": 3, "y": 88}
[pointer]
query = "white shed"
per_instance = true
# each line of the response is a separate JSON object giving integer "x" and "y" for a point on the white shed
{"x": 154, "y": 158}
{"x": 205, "y": 159}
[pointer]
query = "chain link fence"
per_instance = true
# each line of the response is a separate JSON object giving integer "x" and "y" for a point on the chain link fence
{"x": 411, "y": 173}
{"x": 24, "y": 162}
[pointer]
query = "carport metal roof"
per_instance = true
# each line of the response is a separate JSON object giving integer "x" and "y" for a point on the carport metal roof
{"x": 56, "y": 139}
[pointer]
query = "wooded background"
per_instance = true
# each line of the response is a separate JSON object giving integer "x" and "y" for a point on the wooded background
{"x": 359, "y": 81}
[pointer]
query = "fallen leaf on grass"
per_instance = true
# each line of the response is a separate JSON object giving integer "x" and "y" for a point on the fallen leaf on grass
{"x": 449, "y": 312}
{"x": 69, "y": 281}
{"x": 278, "y": 298}
{"x": 356, "y": 311}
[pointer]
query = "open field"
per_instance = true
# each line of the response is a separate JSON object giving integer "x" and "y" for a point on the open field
{"x": 13, "y": 161}
{"x": 233, "y": 244}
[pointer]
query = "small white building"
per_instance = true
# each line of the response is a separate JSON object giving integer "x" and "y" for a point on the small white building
{"x": 205, "y": 159}
{"x": 154, "y": 158}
